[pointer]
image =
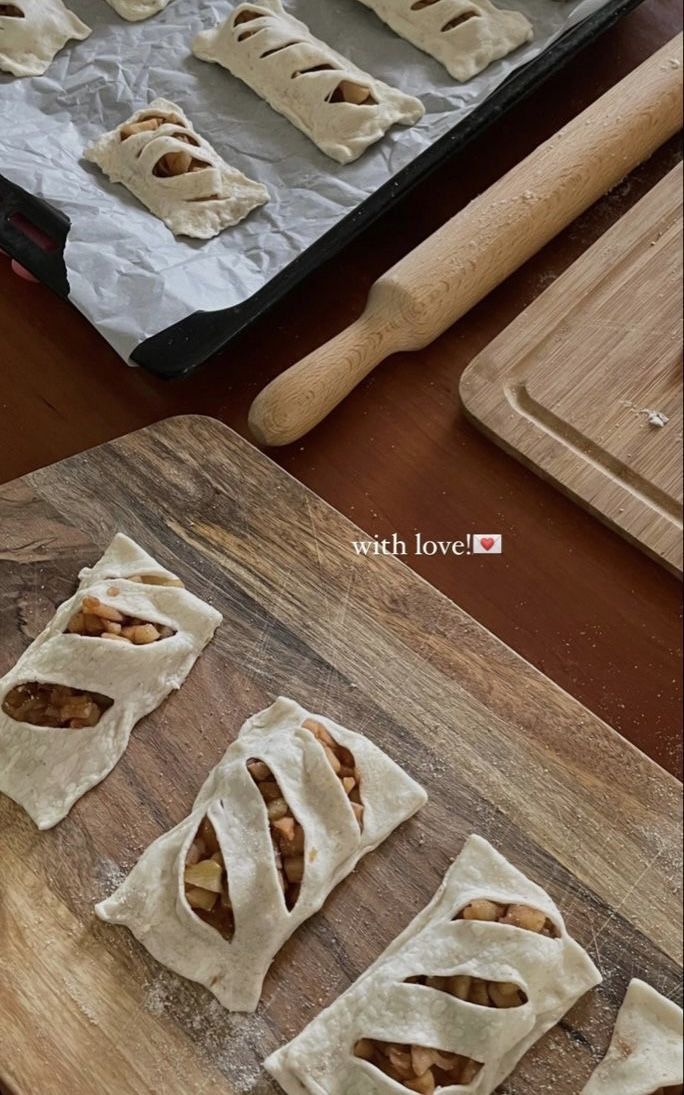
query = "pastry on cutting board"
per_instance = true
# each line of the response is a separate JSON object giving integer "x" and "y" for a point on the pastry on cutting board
{"x": 295, "y": 803}
{"x": 136, "y": 10}
{"x": 646, "y": 1053}
{"x": 455, "y": 1002}
{"x": 341, "y": 108}
{"x": 111, "y": 653}
{"x": 173, "y": 171}
{"x": 465, "y": 35}
{"x": 32, "y": 32}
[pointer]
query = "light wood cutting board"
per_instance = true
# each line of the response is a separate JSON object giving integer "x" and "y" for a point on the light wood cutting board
{"x": 83, "y": 1009}
{"x": 568, "y": 386}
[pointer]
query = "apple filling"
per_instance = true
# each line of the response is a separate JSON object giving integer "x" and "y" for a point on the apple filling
{"x": 342, "y": 763}
{"x": 156, "y": 580}
{"x": 11, "y": 11}
{"x": 167, "y": 166}
{"x": 206, "y": 881}
{"x": 428, "y": 1070}
{"x": 103, "y": 621}
{"x": 347, "y": 91}
{"x": 475, "y": 990}
{"x": 287, "y": 834}
{"x": 55, "y": 705}
{"x": 247, "y": 16}
{"x": 516, "y": 916}
{"x": 418, "y": 1068}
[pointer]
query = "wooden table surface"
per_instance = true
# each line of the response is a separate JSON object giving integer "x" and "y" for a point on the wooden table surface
{"x": 568, "y": 594}
{"x": 500, "y": 750}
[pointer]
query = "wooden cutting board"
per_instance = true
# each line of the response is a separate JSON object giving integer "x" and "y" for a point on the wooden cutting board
{"x": 569, "y": 386}
{"x": 84, "y": 1010}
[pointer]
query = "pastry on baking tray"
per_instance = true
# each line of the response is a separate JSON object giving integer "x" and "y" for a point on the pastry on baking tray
{"x": 173, "y": 171}
{"x": 111, "y": 653}
{"x": 645, "y": 1055}
{"x": 135, "y": 10}
{"x": 32, "y": 32}
{"x": 455, "y": 1002}
{"x": 341, "y": 108}
{"x": 465, "y": 35}
{"x": 289, "y": 811}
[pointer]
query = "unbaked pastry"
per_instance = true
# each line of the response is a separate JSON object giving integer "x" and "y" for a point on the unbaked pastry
{"x": 32, "y": 32}
{"x": 482, "y": 973}
{"x": 111, "y": 653}
{"x": 176, "y": 173}
{"x": 341, "y": 108}
{"x": 645, "y": 1055}
{"x": 135, "y": 10}
{"x": 465, "y": 35}
{"x": 295, "y": 803}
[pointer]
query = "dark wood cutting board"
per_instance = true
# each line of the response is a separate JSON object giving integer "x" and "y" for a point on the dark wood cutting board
{"x": 571, "y": 387}
{"x": 502, "y": 751}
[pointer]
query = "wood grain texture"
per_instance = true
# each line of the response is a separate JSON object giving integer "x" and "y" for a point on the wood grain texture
{"x": 501, "y": 750}
{"x": 568, "y": 385}
{"x": 568, "y": 594}
{"x": 456, "y": 267}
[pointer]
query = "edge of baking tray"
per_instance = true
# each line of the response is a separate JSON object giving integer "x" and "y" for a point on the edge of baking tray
{"x": 180, "y": 349}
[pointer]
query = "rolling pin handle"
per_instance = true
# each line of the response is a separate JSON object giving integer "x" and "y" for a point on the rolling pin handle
{"x": 305, "y": 394}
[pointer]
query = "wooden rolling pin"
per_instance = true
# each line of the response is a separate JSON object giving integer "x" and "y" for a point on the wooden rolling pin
{"x": 433, "y": 286}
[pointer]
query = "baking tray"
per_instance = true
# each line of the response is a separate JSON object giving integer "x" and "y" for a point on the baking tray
{"x": 34, "y": 233}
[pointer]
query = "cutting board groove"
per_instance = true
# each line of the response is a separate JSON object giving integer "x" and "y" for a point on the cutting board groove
{"x": 568, "y": 386}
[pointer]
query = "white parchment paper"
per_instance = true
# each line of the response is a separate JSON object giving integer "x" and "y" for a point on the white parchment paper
{"x": 127, "y": 273}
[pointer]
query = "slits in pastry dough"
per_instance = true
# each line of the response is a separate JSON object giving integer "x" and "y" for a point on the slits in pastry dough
{"x": 341, "y": 108}
{"x": 288, "y": 813}
{"x": 645, "y": 1055}
{"x": 456, "y": 1000}
{"x": 465, "y": 35}
{"x": 32, "y": 32}
{"x": 176, "y": 173}
{"x": 111, "y": 653}
{"x": 135, "y": 10}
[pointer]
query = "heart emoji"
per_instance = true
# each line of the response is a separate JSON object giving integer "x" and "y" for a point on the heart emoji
{"x": 487, "y": 542}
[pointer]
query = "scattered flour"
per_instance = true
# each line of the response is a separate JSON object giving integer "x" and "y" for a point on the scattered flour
{"x": 654, "y": 418}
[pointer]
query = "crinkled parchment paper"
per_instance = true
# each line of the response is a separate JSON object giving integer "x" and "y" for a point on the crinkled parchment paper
{"x": 127, "y": 273}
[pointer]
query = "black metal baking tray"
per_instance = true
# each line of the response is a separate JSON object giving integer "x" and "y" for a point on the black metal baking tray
{"x": 34, "y": 233}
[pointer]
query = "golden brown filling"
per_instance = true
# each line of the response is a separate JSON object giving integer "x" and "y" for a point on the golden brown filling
{"x": 347, "y": 91}
{"x": 178, "y": 163}
{"x": 475, "y": 990}
{"x": 289, "y": 841}
{"x": 343, "y": 764}
{"x": 418, "y": 1068}
{"x": 287, "y": 834}
{"x": 156, "y": 580}
{"x": 98, "y": 620}
{"x": 148, "y": 125}
{"x": 206, "y": 881}
{"x": 462, "y": 17}
{"x": 12, "y": 11}
{"x": 247, "y": 16}
{"x": 171, "y": 164}
{"x": 426, "y": 1070}
{"x": 459, "y": 20}
{"x": 518, "y": 916}
{"x": 355, "y": 94}
{"x": 55, "y": 705}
